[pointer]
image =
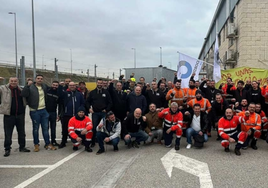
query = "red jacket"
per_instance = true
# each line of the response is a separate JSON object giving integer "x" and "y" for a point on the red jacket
{"x": 227, "y": 128}
{"x": 171, "y": 120}
{"x": 79, "y": 125}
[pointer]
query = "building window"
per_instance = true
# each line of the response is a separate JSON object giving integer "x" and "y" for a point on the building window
{"x": 231, "y": 18}
{"x": 231, "y": 42}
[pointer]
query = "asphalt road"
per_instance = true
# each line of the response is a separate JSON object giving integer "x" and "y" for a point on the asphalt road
{"x": 135, "y": 167}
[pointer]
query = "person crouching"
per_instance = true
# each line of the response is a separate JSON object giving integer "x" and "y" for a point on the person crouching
{"x": 80, "y": 130}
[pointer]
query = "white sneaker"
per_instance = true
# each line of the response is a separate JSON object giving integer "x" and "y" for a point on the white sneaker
{"x": 188, "y": 146}
{"x": 168, "y": 146}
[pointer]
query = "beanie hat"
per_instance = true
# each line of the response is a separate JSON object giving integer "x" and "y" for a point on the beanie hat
{"x": 81, "y": 108}
{"x": 198, "y": 92}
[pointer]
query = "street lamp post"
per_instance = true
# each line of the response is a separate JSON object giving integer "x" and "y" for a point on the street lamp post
{"x": 34, "y": 61}
{"x": 71, "y": 54}
{"x": 160, "y": 55}
{"x": 16, "y": 49}
{"x": 134, "y": 56}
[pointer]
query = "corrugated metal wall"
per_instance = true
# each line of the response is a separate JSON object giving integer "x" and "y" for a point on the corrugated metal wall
{"x": 149, "y": 73}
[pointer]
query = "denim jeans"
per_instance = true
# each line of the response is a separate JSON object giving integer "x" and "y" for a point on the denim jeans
{"x": 101, "y": 136}
{"x": 191, "y": 132}
{"x": 52, "y": 125}
{"x": 96, "y": 118}
{"x": 156, "y": 134}
{"x": 140, "y": 136}
{"x": 40, "y": 117}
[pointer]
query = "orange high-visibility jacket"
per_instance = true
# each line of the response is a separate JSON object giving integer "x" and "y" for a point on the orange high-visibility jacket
{"x": 204, "y": 103}
{"x": 253, "y": 121}
{"x": 178, "y": 97}
{"x": 190, "y": 93}
{"x": 227, "y": 128}
{"x": 77, "y": 125}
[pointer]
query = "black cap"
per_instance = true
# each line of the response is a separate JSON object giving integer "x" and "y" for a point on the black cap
{"x": 198, "y": 92}
{"x": 81, "y": 108}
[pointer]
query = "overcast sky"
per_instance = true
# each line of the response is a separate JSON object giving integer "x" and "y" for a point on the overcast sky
{"x": 103, "y": 32}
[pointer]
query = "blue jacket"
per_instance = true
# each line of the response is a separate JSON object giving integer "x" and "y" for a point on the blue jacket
{"x": 134, "y": 101}
{"x": 72, "y": 100}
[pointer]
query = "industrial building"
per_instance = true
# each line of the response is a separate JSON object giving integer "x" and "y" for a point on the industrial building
{"x": 242, "y": 27}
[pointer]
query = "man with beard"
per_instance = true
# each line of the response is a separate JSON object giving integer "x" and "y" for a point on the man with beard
{"x": 252, "y": 125}
{"x": 98, "y": 103}
{"x": 177, "y": 94}
{"x": 240, "y": 92}
{"x": 254, "y": 94}
{"x": 53, "y": 100}
{"x": 228, "y": 91}
{"x": 218, "y": 110}
{"x": 172, "y": 123}
{"x": 83, "y": 89}
{"x": 264, "y": 123}
{"x": 163, "y": 88}
{"x": 228, "y": 130}
{"x": 154, "y": 124}
{"x": 209, "y": 91}
{"x": 248, "y": 85}
{"x": 242, "y": 107}
{"x": 204, "y": 103}
{"x": 190, "y": 92}
{"x": 205, "y": 106}
{"x": 80, "y": 130}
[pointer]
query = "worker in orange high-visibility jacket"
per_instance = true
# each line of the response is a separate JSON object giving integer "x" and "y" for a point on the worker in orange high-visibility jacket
{"x": 252, "y": 125}
{"x": 172, "y": 123}
{"x": 177, "y": 94}
{"x": 228, "y": 131}
{"x": 190, "y": 92}
{"x": 80, "y": 130}
{"x": 204, "y": 103}
{"x": 264, "y": 121}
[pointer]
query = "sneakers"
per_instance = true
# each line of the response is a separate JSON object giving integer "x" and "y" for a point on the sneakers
{"x": 177, "y": 147}
{"x": 100, "y": 152}
{"x": 245, "y": 148}
{"x": 159, "y": 142}
{"x": 36, "y": 148}
{"x": 227, "y": 149}
{"x": 237, "y": 151}
{"x": 188, "y": 146}
{"x": 168, "y": 146}
{"x": 24, "y": 150}
{"x": 7, "y": 153}
{"x": 88, "y": 149}
{"x": 50, "y": 147}
{"x": 115, "y": 148}
{"x": 254, "y": 147}
{"x": 75, "y": 148}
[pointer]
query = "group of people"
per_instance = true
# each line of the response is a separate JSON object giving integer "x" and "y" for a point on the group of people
{"x": 136, "y": 112}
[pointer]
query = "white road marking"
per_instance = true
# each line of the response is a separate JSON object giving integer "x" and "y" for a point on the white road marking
{"x": 49, "y": 169}
{"x": 192, "y": 166}
{"x": 113, "y": 174}
{"x": 24, "y": 166}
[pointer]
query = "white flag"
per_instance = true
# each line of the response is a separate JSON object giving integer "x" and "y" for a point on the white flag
{"x": 217, "y": 66}
{"x": 186, "y": 67}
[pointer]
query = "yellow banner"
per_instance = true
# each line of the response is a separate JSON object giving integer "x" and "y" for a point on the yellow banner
{"x": 244, "y": 73}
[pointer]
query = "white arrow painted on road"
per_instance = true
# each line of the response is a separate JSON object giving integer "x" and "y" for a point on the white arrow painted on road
{"x": 192, "y": 166}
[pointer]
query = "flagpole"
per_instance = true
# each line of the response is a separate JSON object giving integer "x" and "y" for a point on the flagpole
{"x": 211, "y": 64}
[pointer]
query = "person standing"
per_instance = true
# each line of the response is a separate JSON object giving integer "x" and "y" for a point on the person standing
{"x": 53, "y": 100}
{"x": 13, "y": 108}
{"x": 72, "y": 100}
{"x": 36, "y": 96}
{"x": 98, "y": 103}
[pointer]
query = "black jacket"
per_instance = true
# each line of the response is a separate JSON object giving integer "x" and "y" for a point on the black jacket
{"x": 203, "y": 120}
{"x": 134, "y": 101}
{"x": 156, "y": 97}
{"x": 240, "y": 94}
{"x": 210, "y": 93}
{"x": 119, "y": 98}
{"x": 53, "y": 100}
{"x": 131, "y": 124}
{"x": 218, "y": 110}
{"x": 99, "y": 100}
{"x": 255, "y": 96}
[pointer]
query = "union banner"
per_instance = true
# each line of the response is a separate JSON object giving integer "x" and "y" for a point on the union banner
{"x": 244, "y": 73}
